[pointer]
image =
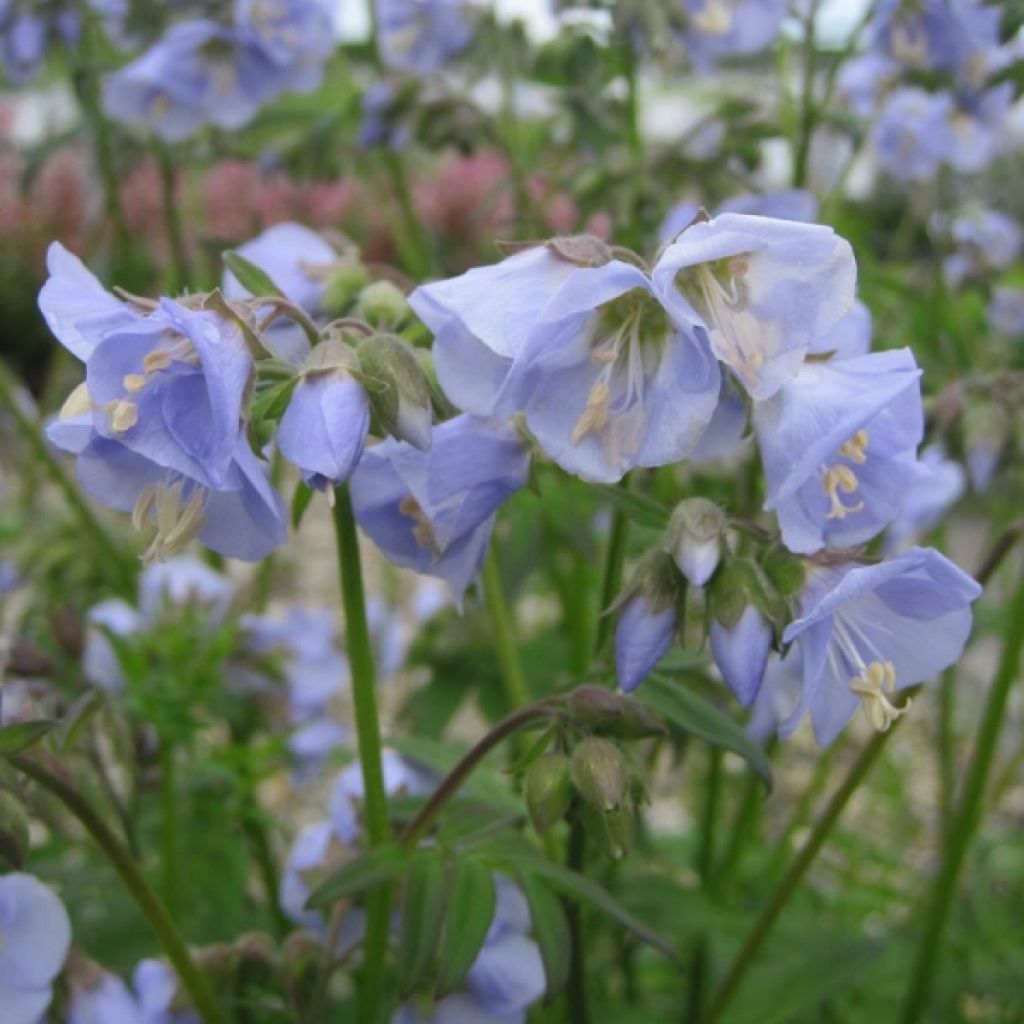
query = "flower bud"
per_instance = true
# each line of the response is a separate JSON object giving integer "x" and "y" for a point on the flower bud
{"x": 548, "y": 790}
{"x": 599, "y": 773}
{"x": 694, "y": 538}
{"x": 612, "y": 714}
{"x": 382, "y": 304}
{"x": 13, "y": 831}
{"x": 401, "y": 401}
{"x": 344, "y": 286}
{"x": 741, "y": 652}
{"x": 610, "y": 831}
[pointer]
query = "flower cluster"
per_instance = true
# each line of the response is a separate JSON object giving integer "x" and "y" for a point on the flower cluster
{"x": 222, "y": 72}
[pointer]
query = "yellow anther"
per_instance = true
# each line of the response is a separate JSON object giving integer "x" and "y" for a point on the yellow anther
{"x": 423, "y": 531}
{"x": 122, "y": 414}
{"x": 159, "y": 106}
{"x": 836, "y": 479}
{"x": 178, "y": 521}
{"x": 856, "y": 449}
{"x": 77, "y": 403}
{"x": 715, "y": 19}
{"x": 873, "y": 686}
{"x": 134, "y": 382}
{"x": 595, "y": 414}
{"x": 155, "y": 361}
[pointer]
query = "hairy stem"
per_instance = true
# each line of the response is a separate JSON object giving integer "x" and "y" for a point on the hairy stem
{"x": 195, "y": 982}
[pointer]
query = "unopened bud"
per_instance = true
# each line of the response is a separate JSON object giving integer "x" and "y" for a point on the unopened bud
{"x": 583, "y": 250}
{"x": 382, "y": 304}
{"x": 599, "y": 773}
{"x": 343, "y": 288}
{"x": 613, "y": 714}
{"x": 610, "y": 831}
{"x": 401, "y": 399}
{"x": 13, "y": 831}
{"x": 694, "y": 538}
{"x": 548, "y": 790}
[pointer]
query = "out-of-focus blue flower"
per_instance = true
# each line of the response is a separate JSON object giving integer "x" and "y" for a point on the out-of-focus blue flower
{"x": 741, "y": 652}
{"x": 863, "y": 79}
{"x": 383, "y": 122}
{"x": 420, "y": 36}
{"x": 983, "y": 454}
{"x": 203, "y": 72}
{"x": 475, "y": 343}
{"x": 985, "y": 240}
{"x": 936, "y": 483}
{"x": 912, "y": 135}
{"x": 838, "y": 444}
{"x": 764, "y": 290}
{"x": 28, "y": 29}
{"x": 785, "y": 204}
{"x": 729, "y": 28}
{"x": 959, "y": 37}
{"x": 978, "y": 129}
{"x": 506, "y": 978}
{"x": 106, "y": 999}
{"x": 865, "y": 632}
{"x": 100, "y": 664}
{"x": 611, "y": 378}
{"x": 642, "y": 637}
{"x": 1006, "y": 312}
{"x": 36, "y": 937}
{"x": 434, "y": 511}
{"x": 725, "y": 432}
{"x": 158, "y": 423}
{"x": 324, "y": 427}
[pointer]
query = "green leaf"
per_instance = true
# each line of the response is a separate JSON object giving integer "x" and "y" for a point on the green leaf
{"x": 686, "y": 711}
{"x": 470, "y": 912}
{"x": 373, "y": 868}
{"x": 270, "y": 402}
{"x": 423, "y": 917}
{"x": 22, "y": 735}
{"x": 581, "y": 889}
{"x": 300, "y": 502}
{"x": 77, "y": 717}
{"x": 253, "y": 279}
{"x": 551, "y": 930}
{"x": 636, "y": 507}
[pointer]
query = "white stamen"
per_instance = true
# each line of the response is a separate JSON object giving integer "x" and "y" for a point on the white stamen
{"x": 77, "y": 403}
{"x": 178, "y": 520}
{"x": 873, "y": 686}
{"x": 122, "y": 414}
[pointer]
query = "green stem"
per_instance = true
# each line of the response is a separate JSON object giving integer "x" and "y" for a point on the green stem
{"x": 615, "y": 560}
{"x": 180, "y": 275}
{"x": 364, "y": 697}
{"x": 409, "y": 234}
{"x": 747, "y": 814}
{"x": 807, "y": 108}
{"x": 967, "y": 816}
{"x": 790, "y": 882}
{"x": 195, "y": 982}
{"x": 576, "y": 987}
{"x": 516, "y": 693}
{"x": 112, "y": 559}
{"x": 947, "y": 749}
{"x": 168, "y": 826}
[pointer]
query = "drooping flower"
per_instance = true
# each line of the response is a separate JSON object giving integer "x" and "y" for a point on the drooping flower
{"x": 741, "y": 652}
{"x": 643, "y": 636}
{"x": 978, "y": 128}
{"x": 725, "y": 28}
{"x": 324, "y": 427}
{"x": 420, "y": 36}
{"x": 936, "y": 483}
{"x": 157, "y": 426}
{"x": 764, "y": 290}
{"x": 1006, "y": 312}
{"x": 27, "y": 31}
{"x": 506, "y": 978}
{"x": 434, "y": 511}
{"x": 865, "y": 632}
{"x": 35, "y": 937}
{"x": 476, "y": 342}
{"x": 610, "y": 378}
{"x": 838, "y": 444}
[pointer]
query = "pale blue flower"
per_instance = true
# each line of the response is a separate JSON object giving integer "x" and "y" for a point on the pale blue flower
{"x": 978, "y": 129}
{"x": 27, "y": 31}
{"x": 185, "y": 581}
{"x": 420, "y": 36}
{"x": 935, "y": 485}
{"x": 433, "y": 511}
{"x": 865, "y": 632}
{"x": 838, "y": 444}
{"x": 849, "y": 338}
{"x": 35, "y": 937}
{"x": 741, "y": 652}
{"x": 764, "y": 290}
{"x": 863, "y": 79}
{"x": 100, "y": 663}
{"x": 726, "y": 28}
{"x": 1006, "y": 312}
{"x": 785, "y": 204}
{"x": 912, "y": 135}
{"x": 475, "y": 342}
{"x": 611, "y": 376}
{"x": 108, "y": 1000}
{"x": 643, "y": 636}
